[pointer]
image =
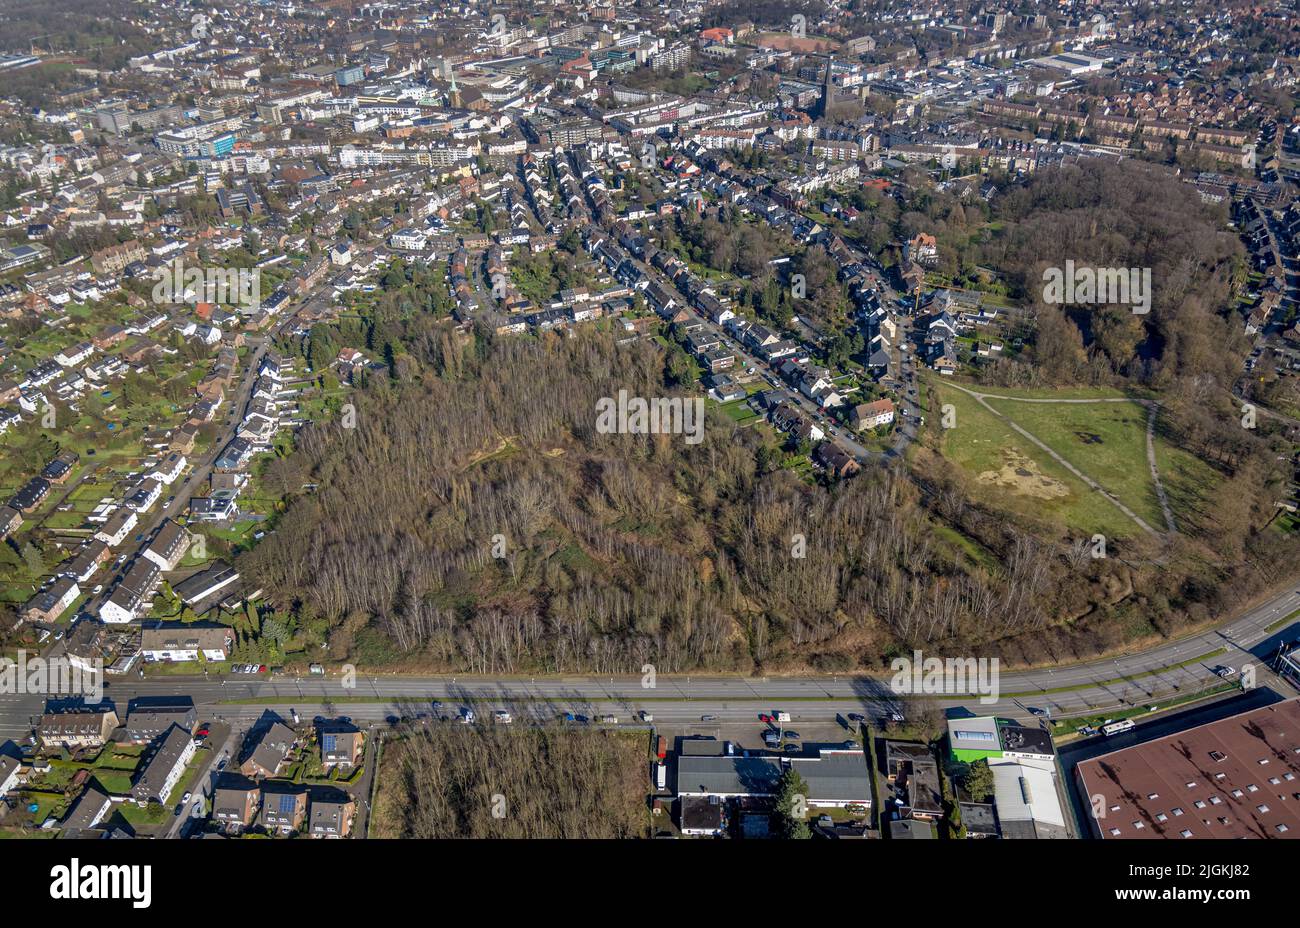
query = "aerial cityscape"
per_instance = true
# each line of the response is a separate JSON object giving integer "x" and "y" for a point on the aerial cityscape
{"x": 843, "y": 419}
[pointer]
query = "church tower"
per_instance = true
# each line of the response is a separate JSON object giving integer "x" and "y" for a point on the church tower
{"x": 828, "y": 89}
{"x": 454, "y": 95}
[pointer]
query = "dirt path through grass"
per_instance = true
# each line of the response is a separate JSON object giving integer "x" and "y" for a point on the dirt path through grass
{"x": 983, "y": 398}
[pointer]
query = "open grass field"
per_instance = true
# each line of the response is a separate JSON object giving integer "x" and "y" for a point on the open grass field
{"x": 1011, "y": 473}
{"x": 1189, "y": 482}
{"x": 1105, "y": 440}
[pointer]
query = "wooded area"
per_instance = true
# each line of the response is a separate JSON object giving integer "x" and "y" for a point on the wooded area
{"x": 465, "y": 781}
{"x": 475, "y": 521}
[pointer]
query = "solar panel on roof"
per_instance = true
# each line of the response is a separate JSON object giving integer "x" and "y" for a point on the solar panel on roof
{"x": 287, "y": 803}
{"x": 328, "y": 742}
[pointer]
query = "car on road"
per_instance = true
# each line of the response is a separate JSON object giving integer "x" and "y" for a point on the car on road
{"x": 857, "y": 717}
{"x": 896, "y": 717}
{"x": 1225, "y": 672}
{"x": 221, "y": 764}
{"x": 790, "y": 735}
{"x": 186, "y": 798}
{"x": 708, "y": 718}
{"x": 792, "y": 749}
{"x": 764, "y": 717}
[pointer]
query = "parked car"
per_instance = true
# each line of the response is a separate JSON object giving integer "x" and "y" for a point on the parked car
{"x": 502, "y": 716}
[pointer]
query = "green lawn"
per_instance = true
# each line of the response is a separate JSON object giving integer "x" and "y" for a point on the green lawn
{"x": 985, "y": 447}
{"x": 738, "y": 411}
{"x": 1050, "y": 393}
{"x": 201, "y": 757}
{"x": 1107, "y": 441}
{"x": 1189, "y": 482}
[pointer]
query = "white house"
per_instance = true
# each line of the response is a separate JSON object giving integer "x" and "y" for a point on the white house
{"x": 118, "y": 526}
{"x": 145, "y": 495}
{"x": 75, "y": 354}
{"x": 169, "y": 469}
{"x": 8, "y": 773}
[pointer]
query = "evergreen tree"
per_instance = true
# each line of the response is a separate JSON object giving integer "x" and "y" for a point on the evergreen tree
{"x": 792, "y": 805}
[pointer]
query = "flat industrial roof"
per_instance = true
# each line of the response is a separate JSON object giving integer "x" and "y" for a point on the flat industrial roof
{"x": 1238, "y": 777}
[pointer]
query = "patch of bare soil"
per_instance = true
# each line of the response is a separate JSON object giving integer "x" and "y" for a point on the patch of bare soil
{"x": 1021, "y": 476}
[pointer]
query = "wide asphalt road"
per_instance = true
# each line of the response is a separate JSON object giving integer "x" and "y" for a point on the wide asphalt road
{"x": 1181, "y": 667}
